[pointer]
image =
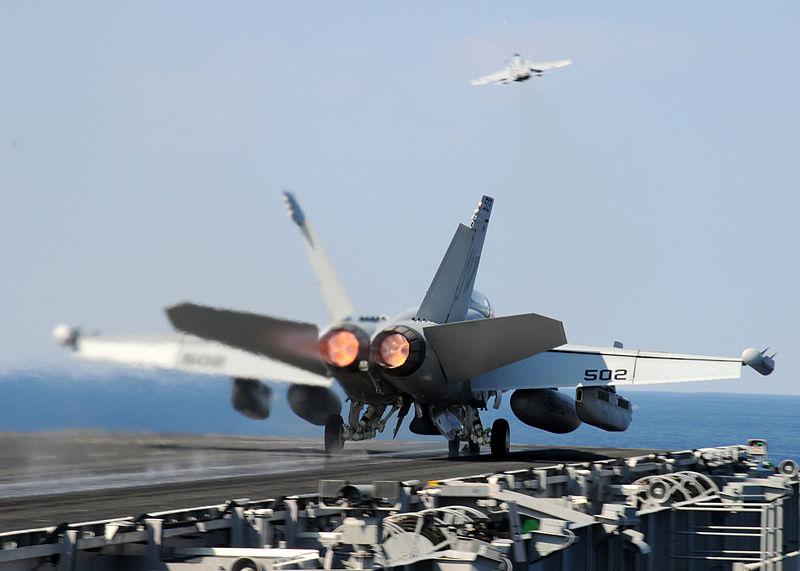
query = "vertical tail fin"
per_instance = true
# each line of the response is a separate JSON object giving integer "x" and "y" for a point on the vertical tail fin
{"x": 448, "y": 296}
{"x": 333, "y": 292}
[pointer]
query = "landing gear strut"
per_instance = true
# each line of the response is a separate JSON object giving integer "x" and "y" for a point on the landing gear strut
{"x": 452, "y": 447}
{"x": 334, "y": 434}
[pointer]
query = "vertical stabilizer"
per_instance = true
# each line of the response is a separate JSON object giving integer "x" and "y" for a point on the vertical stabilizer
{"x": 447, "y": 299}
{"x": 336, "y": 300}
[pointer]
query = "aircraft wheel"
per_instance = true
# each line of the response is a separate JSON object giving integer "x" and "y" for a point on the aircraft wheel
{"x": 334, "y": 434}
{"x": 501, "y": 438}
{"x": 452, "y": 447}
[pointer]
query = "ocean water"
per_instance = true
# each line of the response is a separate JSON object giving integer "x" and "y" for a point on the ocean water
{"x": 698, "y": 420}
{"x": 159, "y": 401}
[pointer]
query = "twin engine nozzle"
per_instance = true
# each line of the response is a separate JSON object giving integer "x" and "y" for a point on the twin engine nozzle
{"x": 400, "y": 350}
{"x": 344, "y": 347}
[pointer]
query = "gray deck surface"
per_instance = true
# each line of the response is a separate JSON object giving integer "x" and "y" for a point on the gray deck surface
{"x": 77, "y": 476}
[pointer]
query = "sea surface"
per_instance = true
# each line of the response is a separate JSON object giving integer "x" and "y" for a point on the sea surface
{"x": 165, "y": 401}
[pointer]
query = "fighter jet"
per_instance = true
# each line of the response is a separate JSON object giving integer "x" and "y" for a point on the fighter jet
{"x": 448, "y": 359}
{"x": 520, "y": 69}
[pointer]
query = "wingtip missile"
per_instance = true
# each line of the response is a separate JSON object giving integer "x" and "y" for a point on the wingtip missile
{"x": 758, "y": 360}
{"x": 294, "y": 209}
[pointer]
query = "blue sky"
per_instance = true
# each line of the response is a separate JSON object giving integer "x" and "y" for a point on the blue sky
{"x": 645, "y": 194}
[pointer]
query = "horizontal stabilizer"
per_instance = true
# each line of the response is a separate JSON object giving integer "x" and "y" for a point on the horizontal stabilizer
{"x": 292, "y": 342}
{"x": 470, "y": 348}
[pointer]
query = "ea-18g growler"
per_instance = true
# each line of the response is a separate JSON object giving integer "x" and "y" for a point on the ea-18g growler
{"x": 443, "y": 362}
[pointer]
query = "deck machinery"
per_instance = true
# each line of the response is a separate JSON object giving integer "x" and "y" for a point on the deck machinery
{"x": 712, "y": 508}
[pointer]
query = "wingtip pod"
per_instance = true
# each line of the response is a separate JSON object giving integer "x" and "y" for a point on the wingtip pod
{"x": 484, "y": 208}
{"x": 294, "y": 209}
{"x": 758, "y": 360}
{"x": 66, "y": 335}
{"x": 482, "y": 213}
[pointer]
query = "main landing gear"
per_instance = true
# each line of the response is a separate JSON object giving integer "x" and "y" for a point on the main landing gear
{"x": 454, "y": 448}
{"x": 500, "y": 438}
{"x": 499, "y": 442}
{"x": 372, "y": 421}
{"x": 363, "y": 423}
{"x": 334, "y": 434}
{"x": 460, "y": 424}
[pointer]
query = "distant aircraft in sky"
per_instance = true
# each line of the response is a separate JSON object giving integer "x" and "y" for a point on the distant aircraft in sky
{"x": 520, "y": 69}
{"x": 444, "y": 361}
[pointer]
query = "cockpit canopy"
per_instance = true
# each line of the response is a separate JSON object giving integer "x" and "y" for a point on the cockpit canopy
{"x": 479, "y": 306}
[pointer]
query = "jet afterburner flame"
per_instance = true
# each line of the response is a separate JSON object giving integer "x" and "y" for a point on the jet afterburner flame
{"x": 394, "y": 350}
{"x": 339, "y": 348}
{"x": 399, "y": 350}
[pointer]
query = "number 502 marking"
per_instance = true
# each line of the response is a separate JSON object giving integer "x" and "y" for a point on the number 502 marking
{"x": 605, "y": 374}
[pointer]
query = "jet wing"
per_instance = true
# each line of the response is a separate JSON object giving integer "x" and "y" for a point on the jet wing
{"x": 292, "y": 342}
{"x": 503, "y": 76}
{"x": 189, "y": 353}
{"x": 548, "y": 65}
{"x": 579, "y": 365}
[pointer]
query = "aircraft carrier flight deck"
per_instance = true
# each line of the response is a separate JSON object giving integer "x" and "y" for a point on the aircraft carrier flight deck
{"x": 91, "y": 499}
{"x": 51, "y": 477}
